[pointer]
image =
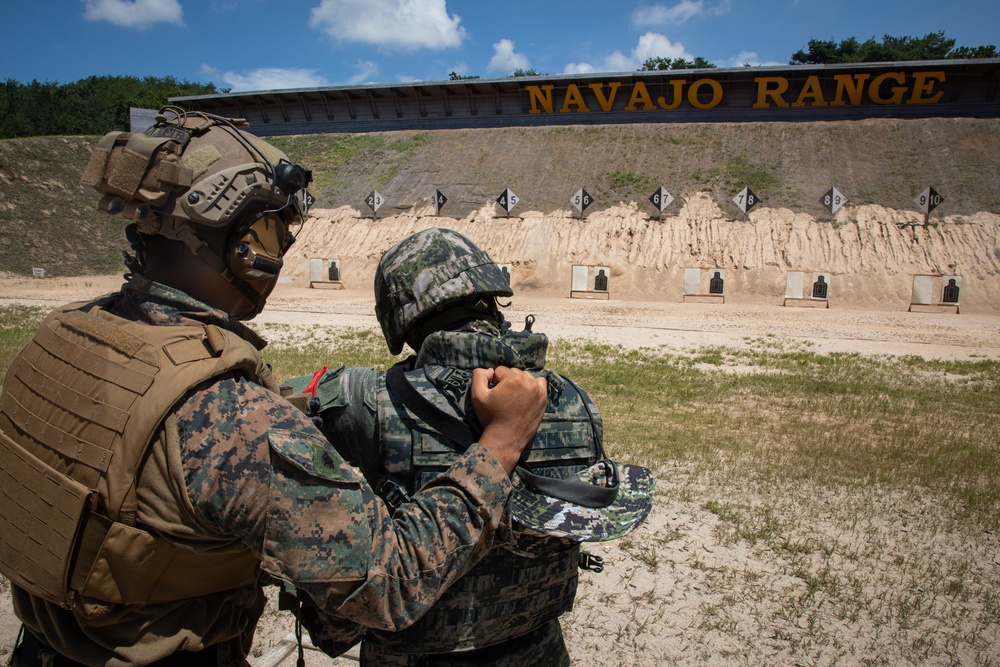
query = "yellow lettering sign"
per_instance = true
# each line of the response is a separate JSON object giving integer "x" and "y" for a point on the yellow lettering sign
{"x": 771, "y": 92}
{"x": 540, "y": 95}
{"x": 922, "y": 87}
{"x": 640, "y": 94}
{"x": 770, "y": 87}
{"x": 605, "y": 102}
{"x": 574, "y": 98}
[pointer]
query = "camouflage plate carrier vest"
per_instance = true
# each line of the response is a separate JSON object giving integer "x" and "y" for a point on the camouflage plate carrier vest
{"x": 81, "y": 404}
{"x": 530, "y": 580}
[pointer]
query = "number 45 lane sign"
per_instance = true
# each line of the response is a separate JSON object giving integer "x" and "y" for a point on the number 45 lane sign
{"x": 928, "y": 200}
{"x": 746, "y": 200}
{"x": 507, "y": 200}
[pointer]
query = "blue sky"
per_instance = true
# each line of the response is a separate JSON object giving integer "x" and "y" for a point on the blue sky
{"x": 268, "y": 44}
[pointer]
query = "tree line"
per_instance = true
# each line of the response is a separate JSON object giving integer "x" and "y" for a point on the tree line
{"x": 92, "y": 106}
{"x": 932, "y": 46}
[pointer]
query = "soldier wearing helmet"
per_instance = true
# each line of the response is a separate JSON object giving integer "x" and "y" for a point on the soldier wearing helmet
{"x": 156, "y": 478}
{"x": 437, "y": 292}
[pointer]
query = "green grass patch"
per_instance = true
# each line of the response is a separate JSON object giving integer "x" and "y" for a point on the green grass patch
{"x": 747, "y": 171}
{"x": 329, "y": 154}
{"x": 17, "y": 325}
{"x": 769, "y": 411}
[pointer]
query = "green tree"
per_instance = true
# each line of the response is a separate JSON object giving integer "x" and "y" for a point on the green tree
{"x": 525, "y": 72}
{"x": 660, "y": 63}
{"x": 455, "y": 76}
{"x": 932, "y": 46}
{"x": 94, "y": 105}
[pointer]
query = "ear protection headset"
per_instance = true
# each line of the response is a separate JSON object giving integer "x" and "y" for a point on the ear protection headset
{"x": 256, "y": 247}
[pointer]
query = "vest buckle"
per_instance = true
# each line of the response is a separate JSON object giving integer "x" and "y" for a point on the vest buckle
{"x": 589, "y": 561}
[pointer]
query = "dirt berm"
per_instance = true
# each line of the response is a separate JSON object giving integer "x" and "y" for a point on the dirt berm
{"x": 871, "y": 248}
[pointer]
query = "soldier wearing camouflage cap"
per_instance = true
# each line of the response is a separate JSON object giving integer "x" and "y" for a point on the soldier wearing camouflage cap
{"x": 154, "y": 479}
{"x": 438, "y": 292}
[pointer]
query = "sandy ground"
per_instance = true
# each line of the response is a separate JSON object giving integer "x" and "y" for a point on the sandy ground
{"x": 668, "y": 325}
{"x": 871, "y": 576}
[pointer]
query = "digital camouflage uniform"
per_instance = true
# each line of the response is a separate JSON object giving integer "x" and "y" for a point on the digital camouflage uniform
{"x": 246, "y": 470}
{"x": 436, "y": 291}
{"x": 354, "y": 423}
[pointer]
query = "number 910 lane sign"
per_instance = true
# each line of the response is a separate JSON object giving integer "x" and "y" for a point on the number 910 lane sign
{"x": 928, "y": 200}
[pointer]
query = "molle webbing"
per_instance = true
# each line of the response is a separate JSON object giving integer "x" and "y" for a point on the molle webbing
{"x": 80, "y": 407}
{"x": 38, "y": 503}
{"x": 136, "y": 166}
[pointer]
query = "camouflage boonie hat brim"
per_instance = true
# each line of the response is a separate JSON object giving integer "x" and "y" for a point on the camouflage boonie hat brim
{"x": 560, "y": 518}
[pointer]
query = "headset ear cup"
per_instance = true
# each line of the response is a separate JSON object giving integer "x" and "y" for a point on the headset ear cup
{"x": 255, "y": 252}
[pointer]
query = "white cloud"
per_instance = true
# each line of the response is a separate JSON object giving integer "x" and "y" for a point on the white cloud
{"x": 650, "y": 45}
{"x": 505, "y": 59}
{"x": 139, "y": 14}
{"x": 392, "y": 25}
{"x": 679, "y": 13}
{"x": 744, "y": 58}
{"x": 655, "y": 45}
{"x": 265, "y": 78}
{"x": 462, "y": 69}
{"x": 366, "y": 73}
{"x": 579, "y": 68}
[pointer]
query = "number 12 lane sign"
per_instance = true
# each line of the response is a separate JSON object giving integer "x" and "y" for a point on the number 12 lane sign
{"x": 746, "y": 200}
{"x": 928, "y": 200}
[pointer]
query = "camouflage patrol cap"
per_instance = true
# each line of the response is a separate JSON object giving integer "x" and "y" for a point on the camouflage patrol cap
{"x": 427, "y": 272}
{"x": 533, "y": 508}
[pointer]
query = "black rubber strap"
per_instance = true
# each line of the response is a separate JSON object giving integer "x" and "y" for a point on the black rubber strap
{"x": 454, "y": 429}
{"x": 573, "y": 490}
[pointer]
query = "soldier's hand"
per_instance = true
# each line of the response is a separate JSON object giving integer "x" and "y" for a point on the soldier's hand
{"x": 509, "y": 404}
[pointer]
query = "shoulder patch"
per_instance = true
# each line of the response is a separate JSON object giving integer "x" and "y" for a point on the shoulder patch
{"x": 312, "y": 454}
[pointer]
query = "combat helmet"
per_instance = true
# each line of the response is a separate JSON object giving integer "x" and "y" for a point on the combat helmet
{"x": 194, "y": 173}
{"x": 427, "y": 273}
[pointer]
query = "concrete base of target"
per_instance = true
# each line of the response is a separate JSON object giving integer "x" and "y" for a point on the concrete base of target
{"x": 704, "y": 298}
{"x": 806, "y": 303}
{"x": 577, "y": 294}
{"x": 327, "y": 284}
{"x": 951, "y": 308}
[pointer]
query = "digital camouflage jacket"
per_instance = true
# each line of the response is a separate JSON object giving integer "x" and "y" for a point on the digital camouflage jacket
{"x": 526, "y": 581}
{"x": 243, "y": 469}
